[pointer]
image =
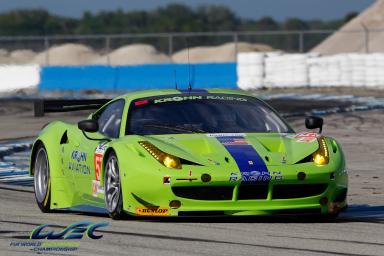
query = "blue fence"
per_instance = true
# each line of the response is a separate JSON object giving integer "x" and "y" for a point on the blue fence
{"x": 150, "y": 76}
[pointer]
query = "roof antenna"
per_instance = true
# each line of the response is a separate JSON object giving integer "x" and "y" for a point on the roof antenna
{"x": 175, "y": 78}
{"x": 189, "y": 71}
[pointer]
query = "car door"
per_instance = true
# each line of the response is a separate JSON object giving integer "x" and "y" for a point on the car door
{"x": 87, "y": 181}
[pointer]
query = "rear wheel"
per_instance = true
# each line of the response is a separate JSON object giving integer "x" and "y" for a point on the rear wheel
{"x": 112, "y": 188}
{"x": 42, "y": 183}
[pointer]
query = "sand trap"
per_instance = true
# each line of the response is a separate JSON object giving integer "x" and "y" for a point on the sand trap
{"x": 134, "y": 54}
{"x": 339, "y": 42}
{"x": 221, "y": 53}
{"x": 66, "y": 54}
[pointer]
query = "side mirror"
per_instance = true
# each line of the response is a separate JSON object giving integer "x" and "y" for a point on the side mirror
{"x": 88, "y": 125}
{"x": 313, "y": 122}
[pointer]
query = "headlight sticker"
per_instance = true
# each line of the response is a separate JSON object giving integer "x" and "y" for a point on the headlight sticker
{"x": 166, "y": 180}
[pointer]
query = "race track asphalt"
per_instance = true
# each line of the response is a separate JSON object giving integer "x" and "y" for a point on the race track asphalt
{"x": 358, "y": 231}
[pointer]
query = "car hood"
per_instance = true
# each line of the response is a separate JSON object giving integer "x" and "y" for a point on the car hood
{"x": 205, "y": 149}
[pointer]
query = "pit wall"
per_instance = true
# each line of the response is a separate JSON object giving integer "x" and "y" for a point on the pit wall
{"x": 252, "y": 71}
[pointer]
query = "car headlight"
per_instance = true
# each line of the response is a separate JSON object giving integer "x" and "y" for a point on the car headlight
{"x": 321, "y": 156}
{"x": 165, "y": 159}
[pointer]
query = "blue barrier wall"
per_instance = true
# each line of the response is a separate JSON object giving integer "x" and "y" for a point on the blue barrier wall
{"x": 150, "y": 76}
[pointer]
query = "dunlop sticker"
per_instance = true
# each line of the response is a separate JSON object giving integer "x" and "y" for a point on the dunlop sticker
{"x": 152, "y": 211}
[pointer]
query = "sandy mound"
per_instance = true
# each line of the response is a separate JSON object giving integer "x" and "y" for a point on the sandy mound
{"x": 222, "y": 53}
{"x": 21, "y": 56}
{"x": 66, "y": 54}
{"x": 372, "y": 18}
{"x": 134, "y": 54}
{"x": 4, "y": 57}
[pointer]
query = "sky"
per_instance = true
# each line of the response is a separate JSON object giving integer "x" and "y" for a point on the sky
{"x": 253, "y": 9}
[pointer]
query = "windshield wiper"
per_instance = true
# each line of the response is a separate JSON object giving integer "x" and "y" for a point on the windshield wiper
{"x": 174, "y": 128}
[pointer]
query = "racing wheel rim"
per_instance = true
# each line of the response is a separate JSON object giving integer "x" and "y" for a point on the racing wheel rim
{"x": 112, "y": 184}
{"x": 41, "y": 175}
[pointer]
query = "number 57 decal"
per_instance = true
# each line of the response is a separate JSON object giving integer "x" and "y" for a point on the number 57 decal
{"x": 98, "y": 159}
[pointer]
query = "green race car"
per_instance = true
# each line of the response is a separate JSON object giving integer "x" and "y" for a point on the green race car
{"x": 188, "y": 153}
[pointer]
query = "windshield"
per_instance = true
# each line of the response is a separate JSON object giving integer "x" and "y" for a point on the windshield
{"x": 210, "y": 113}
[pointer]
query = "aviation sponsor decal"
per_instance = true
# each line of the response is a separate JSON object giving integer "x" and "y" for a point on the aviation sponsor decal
{"x": 152, "y": 211}
{"x": 78, "y": 163}
{"x": 79, "y": 156}
{"x": 98, "y": 159}
{"x": 251, "y": 165}
{"x": 305, "y": 137}
{"x": 97, "y": 188}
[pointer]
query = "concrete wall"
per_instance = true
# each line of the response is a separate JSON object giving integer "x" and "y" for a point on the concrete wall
{"x": 252, "y": 71}
{"x": 16, "y": 78}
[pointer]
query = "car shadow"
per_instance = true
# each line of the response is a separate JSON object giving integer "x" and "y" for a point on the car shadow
{"x": 354, "y": 213}
{"x": 363, "y": 213}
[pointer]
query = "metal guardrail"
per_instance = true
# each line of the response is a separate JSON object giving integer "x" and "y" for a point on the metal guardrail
{"x": 42, "y": 106}
{"x": 288, "y": 40}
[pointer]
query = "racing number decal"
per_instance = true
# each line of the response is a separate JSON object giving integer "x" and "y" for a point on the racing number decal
{"x": 98, "y": 159}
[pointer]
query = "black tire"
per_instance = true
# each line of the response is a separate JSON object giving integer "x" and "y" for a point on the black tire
{"x": 42, "y": 179}
{"x": 113, "y": 200}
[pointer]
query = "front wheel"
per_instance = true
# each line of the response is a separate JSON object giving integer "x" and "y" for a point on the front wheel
{"x": 112, "y": 187}
{"x": 42, "y": 183}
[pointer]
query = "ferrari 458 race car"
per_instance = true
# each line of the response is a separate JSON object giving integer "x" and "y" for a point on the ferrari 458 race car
{"x": 188, "y": 153}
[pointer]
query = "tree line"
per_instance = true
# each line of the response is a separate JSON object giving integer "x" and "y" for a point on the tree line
{"x": 170, "y": 18}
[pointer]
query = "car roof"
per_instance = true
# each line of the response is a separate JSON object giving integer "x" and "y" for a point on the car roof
{"x": 150, "y": 93}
